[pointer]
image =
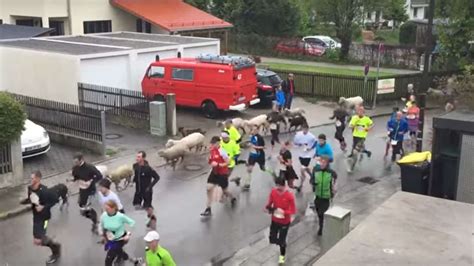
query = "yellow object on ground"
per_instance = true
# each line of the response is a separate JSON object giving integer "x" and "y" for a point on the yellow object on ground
{"x": 416, "y": 157}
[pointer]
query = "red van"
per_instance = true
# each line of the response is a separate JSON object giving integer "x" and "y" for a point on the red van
{"x": 209, "y": 82}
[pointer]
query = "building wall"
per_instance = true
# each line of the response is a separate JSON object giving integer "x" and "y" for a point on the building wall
{"x": 141, "y": 61}
{"x": 32, "y": 8}
{"x": 158, "y": 30}
{"x": 44, "y": 75}
{"x": 198, "y": 50}
{"x": 90, "y": 10}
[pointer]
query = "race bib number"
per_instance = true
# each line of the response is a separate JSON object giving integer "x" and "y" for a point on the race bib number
{"x": 34, "y": 198}
{"x": 393, "y": 142}
{"x": 360, "y": 128}
{"x": 84, "y": 184}
{"x": 411, "y": 116}
{"x": 338, "y": 123}
{"x": 110, "y": 235}
{"x": 278, "y": 213}
{"x": 273, "y": 126}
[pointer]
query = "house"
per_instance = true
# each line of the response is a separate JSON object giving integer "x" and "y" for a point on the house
{"x": 8, "y": 31}
{"x": 415, "y": 9}
{"x": 75, "y": 17}
{"x": 50, "y": 68}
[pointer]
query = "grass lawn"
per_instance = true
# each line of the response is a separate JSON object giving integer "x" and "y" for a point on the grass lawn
{"x": 330, "y": 70}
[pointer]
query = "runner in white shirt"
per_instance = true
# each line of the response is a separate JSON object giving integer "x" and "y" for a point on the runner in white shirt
{"x": 304, "y": 140}
{"x": 105, "y": 194}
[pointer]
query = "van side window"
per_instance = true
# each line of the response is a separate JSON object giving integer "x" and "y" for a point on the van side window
{"x": 182, "y": 74}
{"x": 156, "y": 72}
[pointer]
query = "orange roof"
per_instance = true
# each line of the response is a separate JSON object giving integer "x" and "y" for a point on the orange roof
{"x": 171, "y": 15}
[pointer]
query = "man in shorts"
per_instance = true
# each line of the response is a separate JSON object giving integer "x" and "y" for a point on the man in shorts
{"x": 256, "y": 156}
{"x": 219, "y": 161}
{"x": 42, "y": 200}
{"x": 286, "y": 165}
{"x": 305, "y": 141}
{"x": 361, "y": 125}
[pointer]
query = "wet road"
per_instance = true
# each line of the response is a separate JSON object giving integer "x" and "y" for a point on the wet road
{"x": 179, "y": 198}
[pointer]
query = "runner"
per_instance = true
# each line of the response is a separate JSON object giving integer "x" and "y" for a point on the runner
{"x": 397, "y": 128}
{"x": 322, "y": 148}
{"x": 392, "y": 116}
{"x": 280, "y": 99}
{"x": 86, "y": 175}
{"x": 234, "y": 135}
{"x": 340, "y": 114}
{"x": 151, "y": 219}
{"x": 286, "y": 165}
{"x": 361, "y": 125}
{"x": 114, "y": 234}
{"x": 257, "y": 155}
{"x": 219, "y": 160}
{"x": 155, "y": 254}
{"x": 42, "y": 200}
{"x": 145, "y": 178}
{"x": 413, "y": 119}
{"x": 305, "y": 141}
{"x": 323, "y": 182}
{"x": 280, "y": 205}
{"x": 275, "y": 118}
{"x": 105, "y": 194}
{"x": 232, "y": 149}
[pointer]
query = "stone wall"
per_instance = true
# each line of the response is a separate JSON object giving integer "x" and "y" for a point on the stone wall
{"x": 15, "y": 177}
{"x": 393, "y": 55}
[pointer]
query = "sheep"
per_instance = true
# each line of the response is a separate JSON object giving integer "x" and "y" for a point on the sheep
{"x": 194, "y": 140}
{"x": 291, "y": 113}
{"x": 237, "y": 122}
{"x": 297, "y": 122}
{"x": 351, "y": 102}
{"x": 123, "y": 172}
{"x": 259, "y": 121}
{"x": 173, "y": 154}
{"x": 185, "y": 132}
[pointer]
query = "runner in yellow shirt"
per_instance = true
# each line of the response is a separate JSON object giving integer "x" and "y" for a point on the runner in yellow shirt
{"x": 234, "y": 135}
{"x": 156, "y": 255}
{"x": 233, "y": 150}
{"x": 361, "y": 125}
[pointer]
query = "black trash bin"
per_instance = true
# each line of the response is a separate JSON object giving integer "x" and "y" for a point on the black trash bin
{"x": 415, "y": 177}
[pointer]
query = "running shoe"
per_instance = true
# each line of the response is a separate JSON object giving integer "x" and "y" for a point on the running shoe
{"x": 369, "y": 154}
{"x": 207, "y": 212}
{"x": 298, "y": 189}
{"x": 52, "y": 259}
{"x": 237, "y": 181}
{"x": 233, "y": 201}
{"x": 320, "y": 232}
{"x": 281, "y": 259}
{"x": 246, "y": 188}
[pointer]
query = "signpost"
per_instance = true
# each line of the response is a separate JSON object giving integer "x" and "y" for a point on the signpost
{"x": 379, "y": 51}
{"x": 366, "y": 73}
{"x": 385, "y": 86}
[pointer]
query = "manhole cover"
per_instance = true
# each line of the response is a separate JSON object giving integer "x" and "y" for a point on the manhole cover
{"x": 112, "y": 136}
{"x": 368, "y": 180}
{"x": 193, "y": 167}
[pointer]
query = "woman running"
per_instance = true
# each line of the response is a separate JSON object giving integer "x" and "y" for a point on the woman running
{"x": 413, "y": 119}
{"x": 115, "y": 237}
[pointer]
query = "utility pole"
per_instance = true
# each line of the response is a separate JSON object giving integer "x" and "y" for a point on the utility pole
{"x": 421, "y": 95}
{"x": 380, "y": 48}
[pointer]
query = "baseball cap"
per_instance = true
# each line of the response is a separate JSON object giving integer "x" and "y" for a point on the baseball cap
{"x": 224, "y": 134}
{"x": 152, "y": 236}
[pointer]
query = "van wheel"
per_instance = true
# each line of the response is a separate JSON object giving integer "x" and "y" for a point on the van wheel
{"x": 159, "y": 98}
{"x": 209, "y": 109}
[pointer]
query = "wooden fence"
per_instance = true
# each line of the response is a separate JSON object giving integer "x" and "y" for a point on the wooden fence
{"x": 119, "y": 102}
{"x": 63, "y": 118}
{"x": 5, "y": 159}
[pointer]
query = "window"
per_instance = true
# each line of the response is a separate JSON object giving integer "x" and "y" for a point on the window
{"x": 369, "y": 15}
{"x": 25, "y": 22}
{"x": 425, "y": 13}
{"x": 58, "y": 27}
{"x": 415, "y": 12}
{"x": 183, "y": 74}
{"x": 97, "y": 26}
{"x": 156, "y": 72}
{"x": 143, "y": 26}
{"x": 1, "y": 21}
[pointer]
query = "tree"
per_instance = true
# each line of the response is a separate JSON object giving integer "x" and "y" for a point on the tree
{"x": 12, "y": 119}
{"x": 395, "y": 10}
{"x": 201, "y": 4}
{"x": 344, "y": 14}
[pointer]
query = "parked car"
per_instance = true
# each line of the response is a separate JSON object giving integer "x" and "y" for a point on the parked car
{"x": 210, "y": 82}
{"x": 299, "y": 47}
{"x": 324, "y": 41}
{"x": 34, "y": 140}
{"x": 268, "y": 81}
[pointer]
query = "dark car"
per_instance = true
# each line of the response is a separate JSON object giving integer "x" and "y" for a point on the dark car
{"x": 268, "y": 81}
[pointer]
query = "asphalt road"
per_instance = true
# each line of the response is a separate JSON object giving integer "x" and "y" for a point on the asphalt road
{"x": 179, "y": 198}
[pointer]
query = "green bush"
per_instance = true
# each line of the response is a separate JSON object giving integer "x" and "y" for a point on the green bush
{"x": 407, "y": 33}
{"x": 12, "y": 119}
{"x": 332, "y": 54}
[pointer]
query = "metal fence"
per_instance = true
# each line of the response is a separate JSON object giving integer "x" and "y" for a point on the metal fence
{"x": 115, "y": 101}
{"x": 5, "y": 159}
{"x": 63, "y": 118}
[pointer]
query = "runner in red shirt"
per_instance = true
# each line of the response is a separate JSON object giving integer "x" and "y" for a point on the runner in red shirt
{"x": 281, "y": 205}
{"x": 219, "y": 160}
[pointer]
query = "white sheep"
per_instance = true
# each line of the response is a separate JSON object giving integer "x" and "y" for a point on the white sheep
{"x": 173, "y": 154}
{"x": 259, "y": 121}
{"x": 238, "y": 123}
{"x": 291, "y": 113}
{"x": 194, "y": 140}
{"x": 351, "y": 102}
{"x": 123, "y": 172}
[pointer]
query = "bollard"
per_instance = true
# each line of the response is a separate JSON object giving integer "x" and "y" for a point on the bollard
{"x": 158, "y": 118}
{"x": 171, "y": 114}
{"x": 336, "y": 225}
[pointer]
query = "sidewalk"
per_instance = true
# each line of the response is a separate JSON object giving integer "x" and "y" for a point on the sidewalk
{"x": 317, "y": 115}
{"x": 303, "y": 242}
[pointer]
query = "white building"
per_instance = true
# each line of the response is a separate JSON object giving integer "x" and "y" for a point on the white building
{"x": 50, "y": 68}
{"x": 415, "y": 9}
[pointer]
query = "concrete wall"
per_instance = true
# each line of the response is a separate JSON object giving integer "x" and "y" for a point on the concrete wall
{"x": 39, "y": 74}
{"x": 32, "y": 8}
{"x": 204, "y": 49}
{"x": 141, "y": 62}
{"x": 16, "y": 176}
{"x": 106, "y": 71}
{"x": 90, "y": 10}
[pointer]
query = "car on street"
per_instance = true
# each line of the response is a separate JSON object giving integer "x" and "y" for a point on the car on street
{"x": 211, "y": 82}
{"x": 299, "y": 47}
{"x": 321, "y": 40}
{"x": 268, "y": 82}
{"x": 34, "y": 140}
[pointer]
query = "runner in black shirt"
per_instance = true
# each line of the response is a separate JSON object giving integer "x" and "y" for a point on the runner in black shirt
{"x": 340, "y": 114}
{"x": 286, "y": 165}
{"x": 86, "y": 175}
{"x": 42, "y": 200}
{"x": 145, "y": 178}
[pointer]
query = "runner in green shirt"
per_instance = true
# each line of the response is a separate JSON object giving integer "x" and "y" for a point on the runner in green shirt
{"x": 155, "y": 254}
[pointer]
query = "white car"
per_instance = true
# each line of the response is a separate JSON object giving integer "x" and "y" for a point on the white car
{"x": 34, "y": 140}
{"x": 324, "y": 41}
